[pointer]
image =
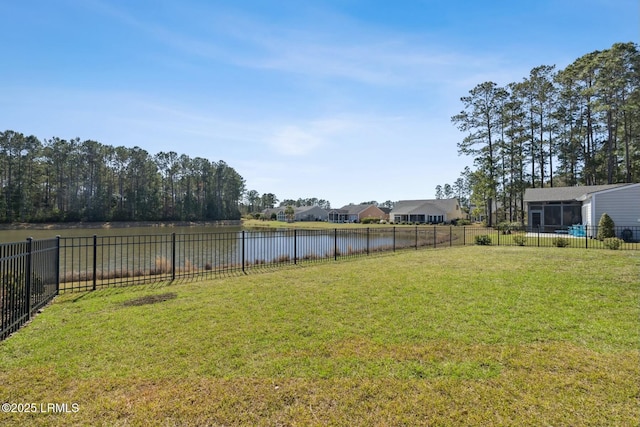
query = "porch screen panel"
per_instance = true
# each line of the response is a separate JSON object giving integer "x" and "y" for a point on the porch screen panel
{"x": 572, "y": 215}
{"x": 552, "y": 215}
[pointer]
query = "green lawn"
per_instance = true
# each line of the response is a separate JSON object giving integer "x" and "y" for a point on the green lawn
{"x": 462, "y": 336}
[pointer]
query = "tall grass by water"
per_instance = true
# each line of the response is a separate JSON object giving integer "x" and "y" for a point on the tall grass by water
{"x": 463, "y": 336}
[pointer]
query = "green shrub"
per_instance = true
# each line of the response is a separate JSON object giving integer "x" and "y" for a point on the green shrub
{"x": 560, "y": 242}
{"x": 463, "y": 222}
{"x": 508, "y": 227}
{"x": 606, "y": 227}
{"x": 612, "y": 243}
{"x": 370, "y": 220}
{"x": 520, "y": 240}
{"x": 483, "y": 239}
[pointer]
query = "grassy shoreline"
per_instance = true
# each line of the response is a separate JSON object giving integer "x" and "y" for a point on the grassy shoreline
{"x": 258, "y": 223}
{"x": 519, "y": 336}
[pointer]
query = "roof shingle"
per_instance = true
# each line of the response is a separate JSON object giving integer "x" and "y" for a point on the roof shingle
{"x": 559, "y": 194}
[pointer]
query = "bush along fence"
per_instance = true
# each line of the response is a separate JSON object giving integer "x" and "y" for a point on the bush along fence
{"x": 33, "y": 272}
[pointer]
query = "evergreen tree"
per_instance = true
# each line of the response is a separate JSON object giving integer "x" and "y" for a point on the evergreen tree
{"x": 481, "y": 121}
{"x": 606, "y": 227}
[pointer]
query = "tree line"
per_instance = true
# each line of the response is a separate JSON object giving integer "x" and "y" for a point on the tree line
{"x": 575, "y": 126}
{"x": 71, "y": 180}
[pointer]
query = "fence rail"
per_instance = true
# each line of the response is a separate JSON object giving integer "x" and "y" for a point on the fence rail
{"x": 33, "y": 272}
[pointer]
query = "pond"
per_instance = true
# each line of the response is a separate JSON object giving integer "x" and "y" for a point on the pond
{"x": 112, "y": 254}
{"x": 51, "y": 231}
{"x": 226, "y": 247}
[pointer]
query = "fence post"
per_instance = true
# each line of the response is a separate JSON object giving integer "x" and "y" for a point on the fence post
{"x": 95, "y": 261}
{"x": 295, "y": 247}
{"x": 435, "y": 237}
{"x": 367, "y": 240}
{"x": 57, "y": 264}
{"x": 538, "y": 235}
{"x": 28, "y": 276}
{"x": 394, "y": 238}
{"x": 173, "y": 256}
{"x": 450, "y": 236}
{"x": 464, "y": 236}
{"x": 416, "y": 237}
{"x": 335, "y": 244}
{"x": 243, "y": 249}
{"x": 586, "y": 239}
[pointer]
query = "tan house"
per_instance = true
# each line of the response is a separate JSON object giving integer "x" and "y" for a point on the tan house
{"x": 432, "y": 211}
{"x": 356, "y": 213}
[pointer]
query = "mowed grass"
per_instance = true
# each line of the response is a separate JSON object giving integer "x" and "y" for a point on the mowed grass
{"x": 463, "y": 336}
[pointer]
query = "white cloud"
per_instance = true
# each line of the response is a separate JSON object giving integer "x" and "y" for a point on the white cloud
{"x": 355, "y": 52}
{"x": 294, "y": 141}
{"x": 306, "y": 138}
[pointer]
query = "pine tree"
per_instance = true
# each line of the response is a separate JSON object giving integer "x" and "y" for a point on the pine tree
{"x": 606, "y": 227}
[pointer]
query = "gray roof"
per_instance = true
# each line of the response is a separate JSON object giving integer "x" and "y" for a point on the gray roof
{"x": 353, "y": 209}
{"x": 303, "y": 209}
{"x": 559, "y": 194}
{"x": 270, "y": 211}
{"x": 405, "y": 207}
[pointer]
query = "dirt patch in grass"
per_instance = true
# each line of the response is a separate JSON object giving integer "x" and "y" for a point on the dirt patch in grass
{"x": 150, "y": 299}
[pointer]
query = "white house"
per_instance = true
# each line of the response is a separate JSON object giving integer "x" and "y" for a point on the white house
{"x": 310, "y": 213}
{"x": 622, "y": 204}
{"x": 556, "y": 208}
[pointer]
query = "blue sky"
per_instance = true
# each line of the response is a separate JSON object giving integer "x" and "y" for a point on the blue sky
{"x": 343, "y": 100}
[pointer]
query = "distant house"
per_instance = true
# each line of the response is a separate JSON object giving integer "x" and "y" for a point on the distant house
{"x": 431, "y": 211}
{"x": 310, "y": 213}
{"x": 302, "y": 213}
{"x": 556, "y": 208}
{"x": 480, "y": 215}
{"x": 386, "y": 211}
{"x": 356, "y": 213}
{"x": 278, "y": 213}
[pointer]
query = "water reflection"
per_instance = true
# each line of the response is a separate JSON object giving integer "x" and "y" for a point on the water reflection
{"x": 96, "y": 254}
{"x": 47, "y": 232}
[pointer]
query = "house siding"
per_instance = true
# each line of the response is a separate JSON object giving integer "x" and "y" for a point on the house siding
{"x": 455, "y": 213}
{"x": 314, "y": 213}
{"x": 622, "y": 205}
{"x": 426, "y": 211}
{"x": 586, "y": 217}
{"x": 371, "y": 212}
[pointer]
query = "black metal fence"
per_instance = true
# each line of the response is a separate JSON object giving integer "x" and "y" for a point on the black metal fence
{"x": 28, "y": 280}
{"x": 89, "y": 263}
{"x": 33, "y": 272}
